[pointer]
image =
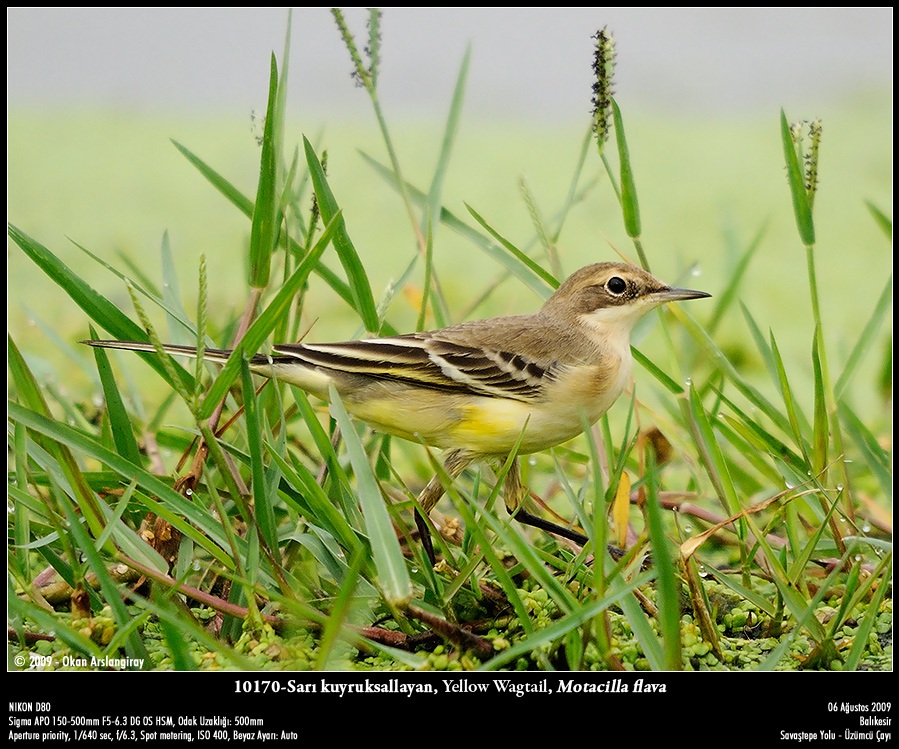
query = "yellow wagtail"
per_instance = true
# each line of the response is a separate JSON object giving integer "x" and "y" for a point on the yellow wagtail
{"x": 476, "y": 388}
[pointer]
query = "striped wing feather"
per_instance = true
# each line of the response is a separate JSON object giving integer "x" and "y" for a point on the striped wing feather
{"x": 425, "y": 361}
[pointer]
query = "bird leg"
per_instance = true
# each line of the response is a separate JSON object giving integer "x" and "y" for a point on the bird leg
{"x": 454, "y": 462}
{"x": 514, "y": 496}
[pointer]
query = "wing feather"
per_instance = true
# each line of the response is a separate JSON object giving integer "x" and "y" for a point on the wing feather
{"x": 422, "y": 360}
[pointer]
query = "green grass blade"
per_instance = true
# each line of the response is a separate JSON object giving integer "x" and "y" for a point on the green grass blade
{"x": 281, "y": 102}
{"x": 545, "y": 276}
{"x": 29, "y": 393}
{"x": 245, "y": 206}
{"x": 21, "y": 499}
{"x": 871, "y": 613}
{"x": 763, "y": 440}
{"x": 99, "y": 309}
{"x": 655, "y": 371}
{"x": 171, "y": 293}
{"x": 800, "y": 607}
{"x": 266, "y": 218}
{"x": 129, "y": 263}
{"x": 134, "y": 645}
{"x": 435, "y": 193}
{"x": 802, "y": 208}
{"x": 263, "y": 512}
{"x": 821, "y": 425}
{"x": 385, "y": 547}
{"x": 450, "y": 131}
{"x": 712, "y": 457}
{"x": 218, "y": 181}
{"x": 168, "y": 302}
{"x": 597, "y": 529}
{"x": 629, "y": 204}
{"x": 311, "y": 501}
{"x": 866, "y": 339}
{"x": 717, "y": 358}
{"x": 649, "y": 641}
{"x": 176, "y": 640}
{"x": 265, "y": 323}
{"x": 755, "y": 452}
{"x": 763, "y": 604}
{"x": 882, "y": 220}
{"x": 130, "y": 544}
{"x": 567, "y": 623}
{"x": 119, "y": 422}
{"x": 789, "y": 401}
{"x": 876, "y": 459}
{"x": 340, "y": 611}
{"x": 571, "y": 198}
{"x": 726, "y": 298}
{"x": 364, "y": 301}
{"x": 512, "y": 537}
{"x": 764, "y": 349}
{"x": 152, "y": 485}
{"x": 667, "y": 587}
{"x": 876, "y": 453}
{"x": 480, "y": 537}
{"x": 803, "y": 611}
{"x": 319, "y": 435}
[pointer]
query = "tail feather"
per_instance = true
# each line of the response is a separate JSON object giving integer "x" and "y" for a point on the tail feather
{"x": 291, "y": 369}
{"x": 213, "y": 354}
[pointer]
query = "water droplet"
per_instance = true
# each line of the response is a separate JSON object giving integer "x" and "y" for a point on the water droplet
{"x": 789, "y": 484}
{"x": 688, "y": 382}
{"x": 195, "y": 566}
{"x": 858, "y": 557}
{"x": 696, "y": 272}
{"x": 688, "y": 529}
{"x": 532, "y": 461}
{"x": 866, "y": 528}
{"x": 189, "y": 492}
{"x": 839, "y": 487}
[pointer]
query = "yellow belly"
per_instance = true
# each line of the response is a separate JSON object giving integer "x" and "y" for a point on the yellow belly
{"x": 489, "y": 425}
{"x": 481, "y": 425}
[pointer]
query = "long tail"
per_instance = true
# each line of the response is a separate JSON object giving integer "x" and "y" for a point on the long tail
{"x": 213, "y": 354}
{"x": 293, "y": 369}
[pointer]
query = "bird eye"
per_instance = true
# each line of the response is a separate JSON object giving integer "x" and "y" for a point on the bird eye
{"x": 616, "y": 285}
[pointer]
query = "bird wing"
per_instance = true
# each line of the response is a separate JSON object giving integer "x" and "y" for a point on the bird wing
{"x": 424, "y": 360}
